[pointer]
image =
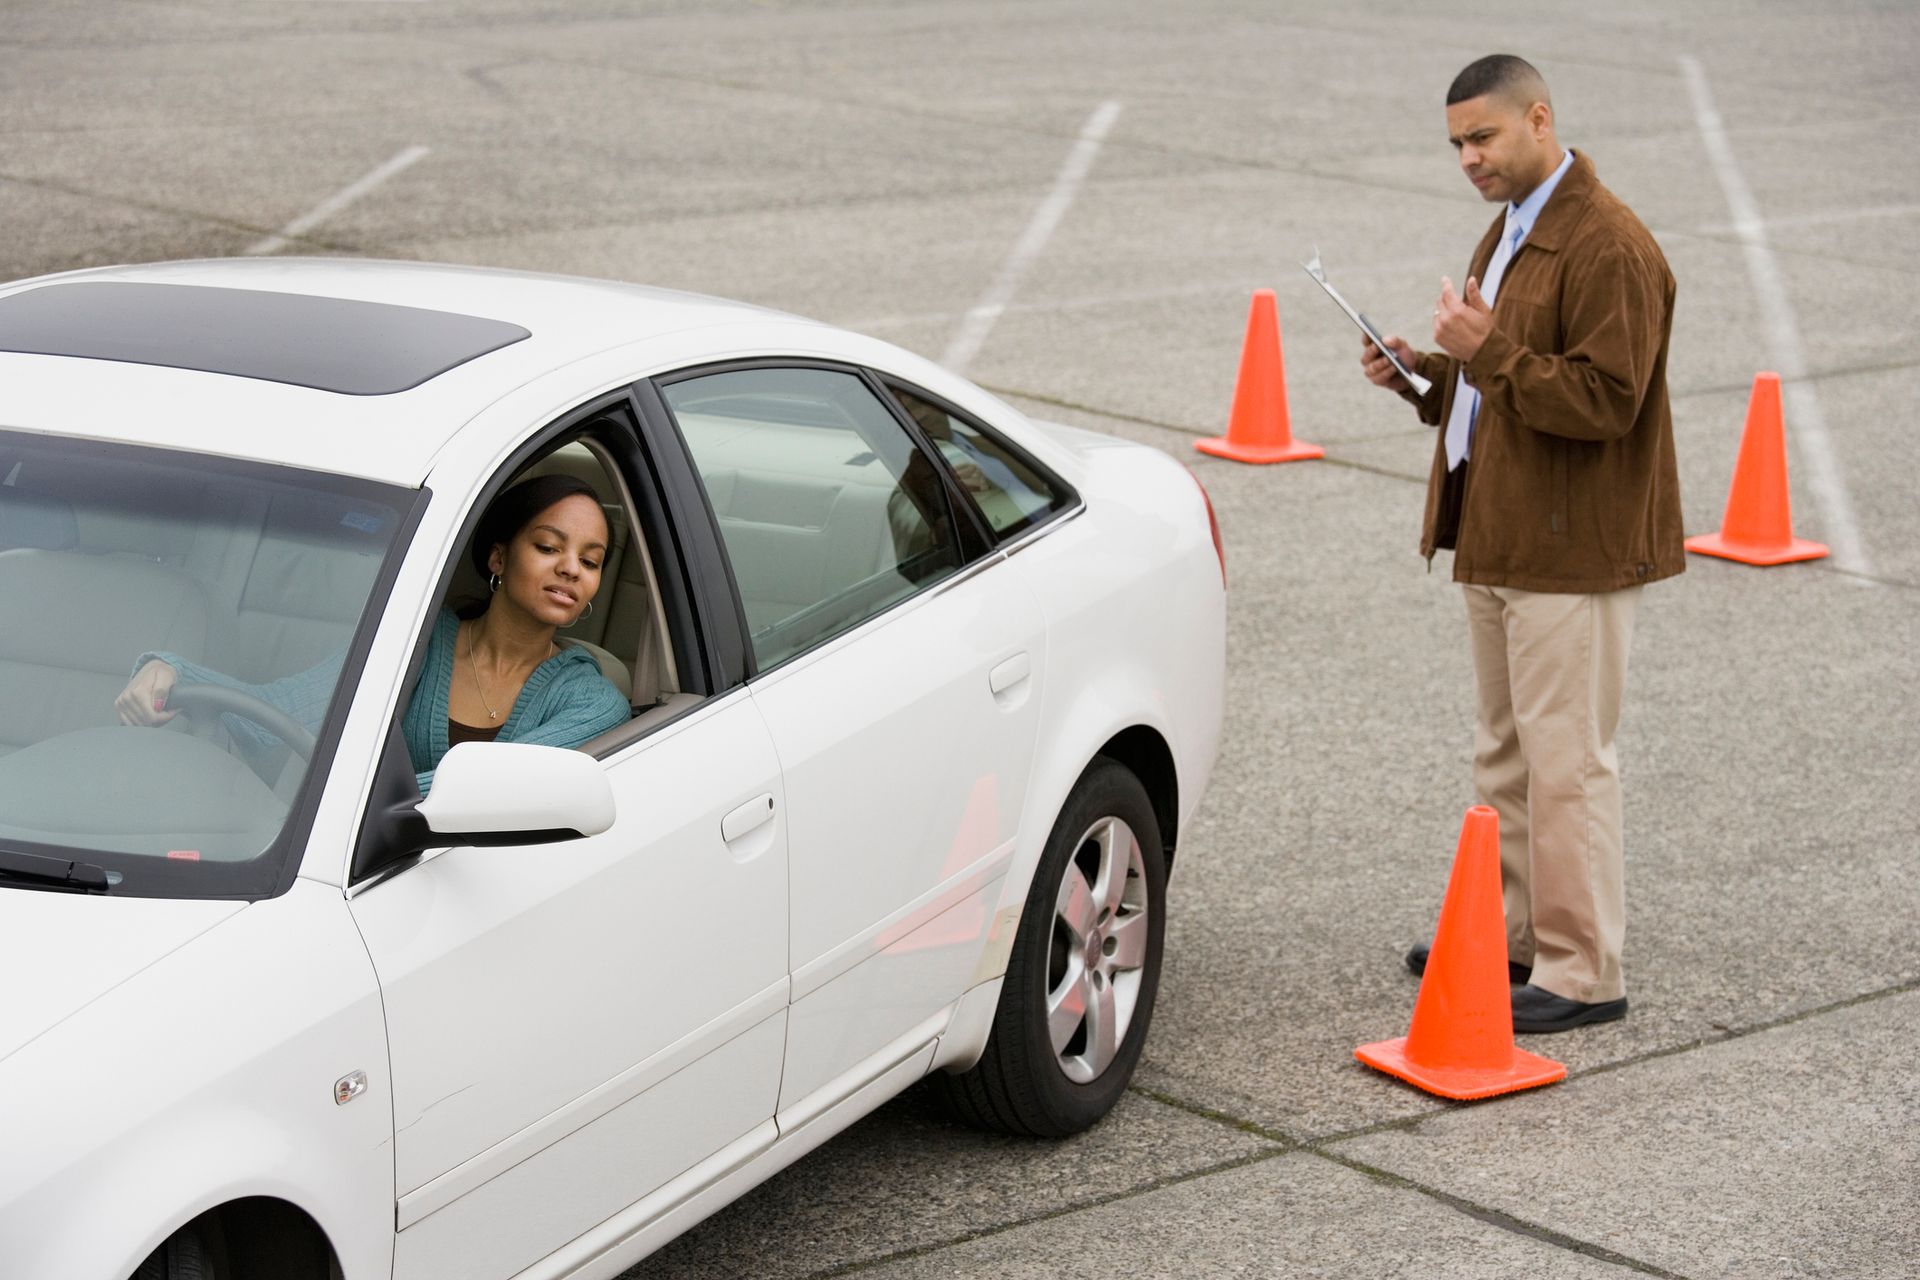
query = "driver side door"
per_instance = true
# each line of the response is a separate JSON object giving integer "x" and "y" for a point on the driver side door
{"x": 574, "y": 1024}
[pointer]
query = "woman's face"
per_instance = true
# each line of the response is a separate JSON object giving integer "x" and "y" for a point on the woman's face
{"x": 551, "y": 569}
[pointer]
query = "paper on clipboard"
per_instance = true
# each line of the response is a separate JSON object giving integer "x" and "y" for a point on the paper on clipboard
{"x": 1419, "y": 384}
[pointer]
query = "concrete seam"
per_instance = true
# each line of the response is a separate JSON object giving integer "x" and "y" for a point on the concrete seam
{"x": 1875, "y": 578}
{"x": 1059, "y": 402}
{"x": 982, "y": 1233}
{"x": 1408, "y": 1123}
{"x": 1810, "y": 376}
{"x": 1215, "y": 1115}
{"x": 1753, "y": 1029}
{"x": 1479, "y": 1212}
{"x": 1496, "y": 1218}
{"x": 1372, "y": 470}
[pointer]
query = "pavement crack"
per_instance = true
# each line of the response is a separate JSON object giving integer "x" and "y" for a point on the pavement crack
{"x": 1498, "y": 1218}
{"x": 983, "y": 1233}
{"x": 170, "y": 210}
{"x": 484, "y": 77}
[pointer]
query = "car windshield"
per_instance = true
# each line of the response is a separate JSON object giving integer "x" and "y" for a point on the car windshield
{"x": 173, "y": 629}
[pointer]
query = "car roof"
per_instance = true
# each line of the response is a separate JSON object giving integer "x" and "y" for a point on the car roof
{"x": 359, "y": 367}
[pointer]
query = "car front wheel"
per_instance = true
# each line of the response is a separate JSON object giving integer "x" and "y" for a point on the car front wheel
{"x": 185, "y": 1255}
{"x": 1084, "y": 969}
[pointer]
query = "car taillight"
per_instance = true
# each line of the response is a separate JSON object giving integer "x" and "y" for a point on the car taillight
{"x": 1213, "y": 526}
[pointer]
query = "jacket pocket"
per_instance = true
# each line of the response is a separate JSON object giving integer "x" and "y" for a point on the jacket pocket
{"x": 1531, "y": 324}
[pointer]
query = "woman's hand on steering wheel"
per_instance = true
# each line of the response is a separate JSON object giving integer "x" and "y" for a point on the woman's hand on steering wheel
{"x": 144, "y": 701}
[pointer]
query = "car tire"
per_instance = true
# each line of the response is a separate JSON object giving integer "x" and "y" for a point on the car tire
{"x": 184, "y": 1255}
{"x": 1083, "y": 973}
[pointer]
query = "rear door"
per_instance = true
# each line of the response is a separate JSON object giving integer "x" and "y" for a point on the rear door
{"x": 898, "y": 663}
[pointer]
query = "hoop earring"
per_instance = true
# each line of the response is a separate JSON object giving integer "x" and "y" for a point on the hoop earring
{"x": 493, "y": 582}
{"x": 584, "y": 614}
{"x": 588, "y": 611}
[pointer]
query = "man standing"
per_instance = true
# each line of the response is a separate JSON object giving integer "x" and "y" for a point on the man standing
{"x": 1554, "y": 484}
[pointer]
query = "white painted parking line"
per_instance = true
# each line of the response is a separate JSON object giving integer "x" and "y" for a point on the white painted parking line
{"x": 336, "y": 202}
{"x": 980, "y": 320}
{"x": 1808, "y": 425}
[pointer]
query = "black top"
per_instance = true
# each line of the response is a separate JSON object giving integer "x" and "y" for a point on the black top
{"x": 328, "y": 344}
{"x": 458, "y": 733}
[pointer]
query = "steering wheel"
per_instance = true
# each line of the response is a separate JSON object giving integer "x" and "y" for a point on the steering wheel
{"x": 203, "y": 702}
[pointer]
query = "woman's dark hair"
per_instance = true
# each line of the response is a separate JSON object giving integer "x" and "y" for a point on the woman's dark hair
{"x": 515, "y": 509}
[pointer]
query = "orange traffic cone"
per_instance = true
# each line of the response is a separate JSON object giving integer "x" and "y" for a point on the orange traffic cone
{"x": 1758, "y": 525}
{"x": 1461, "y": 1041}
{"x": 1257, "y": 428}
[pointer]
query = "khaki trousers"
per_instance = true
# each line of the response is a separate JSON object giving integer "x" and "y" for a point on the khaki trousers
{"x": 1550, "y": 669}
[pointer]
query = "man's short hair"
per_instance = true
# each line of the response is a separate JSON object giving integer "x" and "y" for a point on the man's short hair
{"x": 1502, "y": 75}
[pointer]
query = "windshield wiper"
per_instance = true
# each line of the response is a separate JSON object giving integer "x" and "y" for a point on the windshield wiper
{"x": 59, "y": 873}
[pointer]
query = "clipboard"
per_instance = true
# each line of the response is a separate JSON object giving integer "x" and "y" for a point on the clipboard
{"x": 1419, "y": 384}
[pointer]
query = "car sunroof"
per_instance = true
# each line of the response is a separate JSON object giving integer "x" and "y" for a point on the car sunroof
{"x": 329, "y": 344}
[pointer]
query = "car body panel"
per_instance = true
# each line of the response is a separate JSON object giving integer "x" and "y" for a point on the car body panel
{"x": 926, "y": 771}
{"x": 101, "y": 944}
{"x": 534, "y": 994}
{"x": 205, "y": 1077}
{"x": 1147, "y": 573}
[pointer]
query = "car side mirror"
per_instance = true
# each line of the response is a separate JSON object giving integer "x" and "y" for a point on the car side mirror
{"x": 483, "y": 793}
{"x": 506, "y": 793}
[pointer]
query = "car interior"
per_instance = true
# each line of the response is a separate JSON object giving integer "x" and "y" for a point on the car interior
{"x": 106, "y": 556}
{"x": 625, "y": 631}
{"x": 822, "y": 530}
{"x": 254, "y": 580}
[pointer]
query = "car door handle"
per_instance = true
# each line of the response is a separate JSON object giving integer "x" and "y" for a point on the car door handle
{"x": 1009, "y": 673}
{"x": 748, "y": 818}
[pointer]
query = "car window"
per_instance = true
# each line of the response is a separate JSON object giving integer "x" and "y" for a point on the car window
{"x": 829, "y": 511}
{"x": 1011, "y": 490}
{"x": 246, "y": 583}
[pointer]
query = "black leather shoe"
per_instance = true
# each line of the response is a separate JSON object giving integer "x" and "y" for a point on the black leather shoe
{"x": 1517, "y": 974}
{"x": 1541, "y": 1011}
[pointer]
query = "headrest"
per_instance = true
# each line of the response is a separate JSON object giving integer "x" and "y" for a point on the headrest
{"x": 611, "y": 667}
{"x": 36, "y": 520}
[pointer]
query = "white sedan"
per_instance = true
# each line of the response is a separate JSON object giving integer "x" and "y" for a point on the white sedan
{"x": 922, "y": 697}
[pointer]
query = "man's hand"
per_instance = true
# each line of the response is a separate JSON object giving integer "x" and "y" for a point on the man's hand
{"x": 1379, "y": 370}
{"x": 1460, "y": 324}
{"x": 144, "y": 701}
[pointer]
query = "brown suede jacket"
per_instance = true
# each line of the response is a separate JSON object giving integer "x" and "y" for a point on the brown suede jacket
{"x": 1572, "y": 484}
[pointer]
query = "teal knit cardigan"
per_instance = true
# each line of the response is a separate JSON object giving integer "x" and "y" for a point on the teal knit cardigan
{"x": 565, "y": 702}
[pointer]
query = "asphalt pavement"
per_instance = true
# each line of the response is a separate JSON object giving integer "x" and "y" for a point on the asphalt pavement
{"x": 1075, "y": 200}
